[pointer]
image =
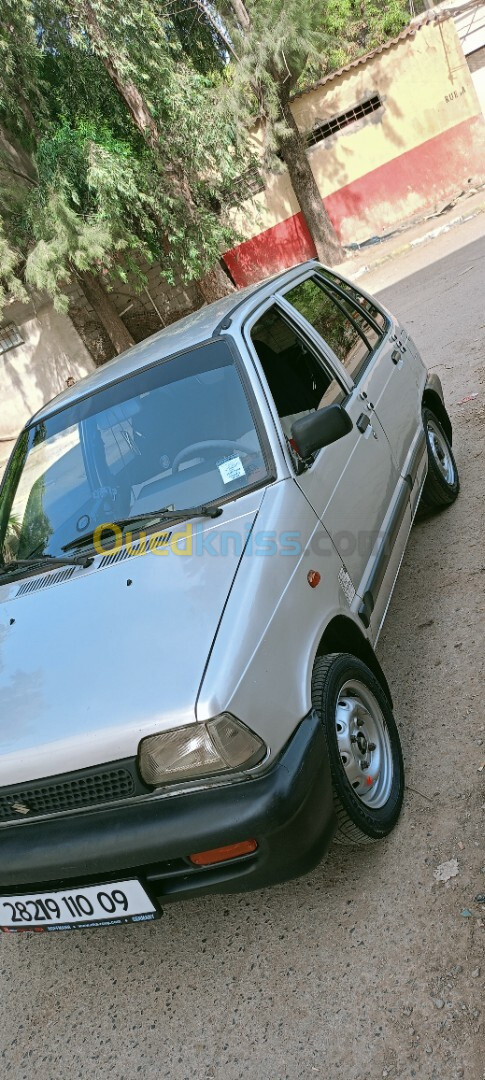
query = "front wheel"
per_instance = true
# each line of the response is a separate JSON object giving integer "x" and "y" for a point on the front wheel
{"x": 442, "y": 483}
{"x": 363, "y": 747}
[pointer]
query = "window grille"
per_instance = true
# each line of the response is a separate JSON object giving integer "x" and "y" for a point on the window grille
{"x": 10, "y": 337}
{"x": 336, "y": 123}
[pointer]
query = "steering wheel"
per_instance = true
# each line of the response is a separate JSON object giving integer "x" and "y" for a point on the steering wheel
{"x": 208, "y": 444}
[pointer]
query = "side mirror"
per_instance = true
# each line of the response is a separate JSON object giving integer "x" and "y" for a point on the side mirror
{"x": 319, "y": 429}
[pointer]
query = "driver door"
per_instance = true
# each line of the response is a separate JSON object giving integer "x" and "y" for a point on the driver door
{"x": 350, "y": 484}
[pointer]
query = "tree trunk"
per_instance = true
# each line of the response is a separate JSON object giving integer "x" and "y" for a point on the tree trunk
{"x": 241, "y": 13}
{"x": 105, "y": 310}
{"x": 293, "y": 151}
{"x": 216, "y": 26}
{"x": 214, "y": 284}
{"x": 126, "y": 88}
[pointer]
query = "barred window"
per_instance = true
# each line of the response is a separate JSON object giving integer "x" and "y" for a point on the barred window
{"x": 250, "y": 182}
{"x": 10, "y": 337}
{"x": 342, "y": 120}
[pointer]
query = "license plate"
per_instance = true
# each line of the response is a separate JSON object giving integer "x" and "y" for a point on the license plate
{"x": 110, "y": 904}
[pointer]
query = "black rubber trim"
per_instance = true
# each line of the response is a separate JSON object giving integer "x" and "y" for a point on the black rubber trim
{"x": 376, "y": 578}
{"x": 434, "y": 399}
{"x": 288, "y": 809}
{"x": 336, "y": 295}
{"x": 433, "y": 382}
{"x": 418, "y": 452}
{"x": 71, "y": 791}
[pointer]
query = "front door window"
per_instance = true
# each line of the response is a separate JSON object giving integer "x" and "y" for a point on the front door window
{"x": 298, "y": 381}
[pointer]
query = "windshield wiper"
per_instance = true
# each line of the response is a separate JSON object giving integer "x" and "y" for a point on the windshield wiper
{"x": 23, "y": 564}
{"x": 164, "y": 516}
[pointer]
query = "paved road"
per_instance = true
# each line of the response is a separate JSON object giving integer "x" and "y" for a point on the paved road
{"x": 367, "y": 968}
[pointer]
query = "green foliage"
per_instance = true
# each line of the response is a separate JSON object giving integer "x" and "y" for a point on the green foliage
{"x": 97, "y": 194}
{"x": 191, "y": 25}
{"x": 11, "y": 286}
{"x": 20, "y": 94}
{"x": 102, "y": 198}
{"x": 91, "y": 204}
{"x": 291, "y": 43}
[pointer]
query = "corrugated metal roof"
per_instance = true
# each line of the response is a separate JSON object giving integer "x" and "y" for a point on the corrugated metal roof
{"x": 409, "y": 31}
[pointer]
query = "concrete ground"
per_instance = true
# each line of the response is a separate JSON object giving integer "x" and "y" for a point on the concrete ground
{"x": 369, "y": 967}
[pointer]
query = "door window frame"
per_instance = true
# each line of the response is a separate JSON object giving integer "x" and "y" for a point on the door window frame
{"x": 324, "y": 356}
{"x": 350, "y": 291}
{"x": 336, "y": 295}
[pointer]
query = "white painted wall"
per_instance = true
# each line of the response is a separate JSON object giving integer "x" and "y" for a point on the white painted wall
{"x": 33, "y": 373}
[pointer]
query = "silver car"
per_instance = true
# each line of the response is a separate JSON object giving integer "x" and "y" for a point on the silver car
{"x": 199, "y": 543}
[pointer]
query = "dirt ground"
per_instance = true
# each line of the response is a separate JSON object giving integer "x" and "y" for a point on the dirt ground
{"x": 369, "y": 967}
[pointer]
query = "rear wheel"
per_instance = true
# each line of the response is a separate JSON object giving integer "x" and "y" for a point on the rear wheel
{"x": 442, "y": 482}
{"x": 363, "y": 746}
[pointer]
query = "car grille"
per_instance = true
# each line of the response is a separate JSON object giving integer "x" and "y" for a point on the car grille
{"x": 88, "y": 787}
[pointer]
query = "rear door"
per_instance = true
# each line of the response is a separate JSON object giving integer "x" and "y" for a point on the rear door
{"x": 392, "y": 379}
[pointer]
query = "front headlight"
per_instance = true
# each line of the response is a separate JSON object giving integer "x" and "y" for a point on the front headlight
{"x": 199, "y": 750}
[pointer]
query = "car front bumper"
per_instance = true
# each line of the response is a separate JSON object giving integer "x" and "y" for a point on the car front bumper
{"x": 288, "y": 810}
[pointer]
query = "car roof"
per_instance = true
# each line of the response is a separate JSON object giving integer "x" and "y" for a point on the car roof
{"x": 188, "y": 332}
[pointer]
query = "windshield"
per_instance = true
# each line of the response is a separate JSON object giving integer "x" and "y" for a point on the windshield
{"x": 176, "y": 435}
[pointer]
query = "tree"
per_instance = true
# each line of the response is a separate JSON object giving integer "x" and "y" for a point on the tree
{"x": 279, "y": 43}
{"x": 26, "y": 206}
{"x": 194, "y": 24}
{"x": 136, "y": 50}
{"x": 115, "y": 174}
{"x": 20, "y": 96}
{"x": 18, "y": 89}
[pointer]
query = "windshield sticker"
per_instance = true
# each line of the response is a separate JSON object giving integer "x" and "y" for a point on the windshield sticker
{"x": 231, "y": 469}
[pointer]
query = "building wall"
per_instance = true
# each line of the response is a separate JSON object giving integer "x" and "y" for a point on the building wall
{"x": 427, "y": 141}
{"x": 469, "y": 20}
{"x": 33, "y": 373}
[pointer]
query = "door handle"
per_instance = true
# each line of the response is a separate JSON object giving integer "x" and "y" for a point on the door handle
{"x": 395, "y": 356}
{"x": 363, "y": 422}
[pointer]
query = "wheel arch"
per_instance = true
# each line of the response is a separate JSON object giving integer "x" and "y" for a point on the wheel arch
{"x": 342, "y": 635}
{"x": 433, "y": 401}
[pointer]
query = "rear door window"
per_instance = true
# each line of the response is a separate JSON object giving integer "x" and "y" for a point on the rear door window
{"x": 339, "y": 321}
{"x": 358, "y": 299}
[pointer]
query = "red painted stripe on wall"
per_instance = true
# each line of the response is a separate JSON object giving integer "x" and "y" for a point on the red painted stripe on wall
{"x": 414, "y": 181}
{"x": 409, "y": 184}
{"x": 283, "y": 245}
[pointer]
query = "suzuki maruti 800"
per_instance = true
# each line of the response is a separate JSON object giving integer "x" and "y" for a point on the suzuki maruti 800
{"x": 198, "y": 547}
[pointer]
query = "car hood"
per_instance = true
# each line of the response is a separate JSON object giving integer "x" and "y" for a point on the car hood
{"x": 92, "y": 660}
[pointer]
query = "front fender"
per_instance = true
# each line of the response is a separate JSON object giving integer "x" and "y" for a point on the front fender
{"x": 261, "y": 663}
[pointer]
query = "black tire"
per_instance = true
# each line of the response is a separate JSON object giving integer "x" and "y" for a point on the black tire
{"x": 358, "y": 822}
{"x": 442, "y": 482}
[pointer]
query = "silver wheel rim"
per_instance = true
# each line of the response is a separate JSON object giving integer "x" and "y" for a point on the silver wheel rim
{"x": 364, "y": 744}
{"x": 441, "y": 452}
